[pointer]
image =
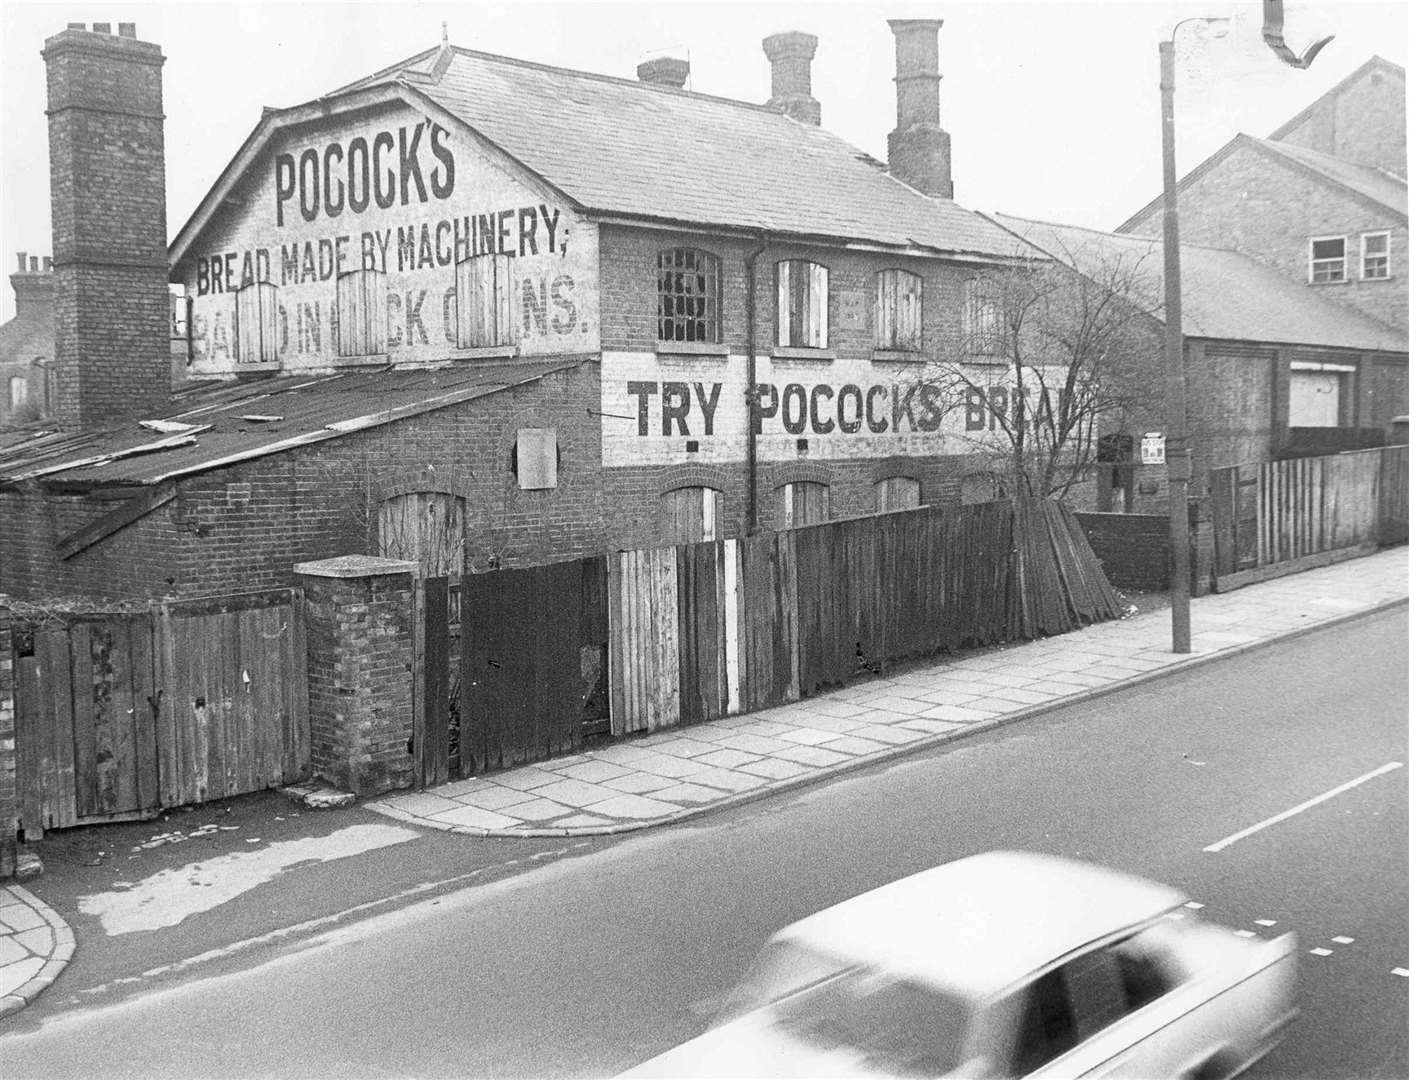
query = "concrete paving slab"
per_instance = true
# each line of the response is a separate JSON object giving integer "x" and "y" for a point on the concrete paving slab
{"x": 637, "y": 783}
{"x": 574, "y": 792}
{"x": 774, "y": 769}
{"x": 525, "y": 779}
{"x": 475, "y": 818}
{"x": 594, "y": 772}
{"x": 812, "y": 755}
{"x": 495, "y": 797}
{"x": 632, "y": 806}
{"x": 540, "y": 810}
{"x": 726, "y": 759}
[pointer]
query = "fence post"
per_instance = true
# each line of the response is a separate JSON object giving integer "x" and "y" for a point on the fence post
{"x": 9, "y": 804}
{"x": 358, "y": 620}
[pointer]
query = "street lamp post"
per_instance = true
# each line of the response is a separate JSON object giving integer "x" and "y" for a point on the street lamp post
{"x": 1176, "y": 451}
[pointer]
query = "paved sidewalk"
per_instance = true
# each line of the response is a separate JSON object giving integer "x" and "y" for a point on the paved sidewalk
{"x": 35, "y": 945}
{"x": 681, "y": 772}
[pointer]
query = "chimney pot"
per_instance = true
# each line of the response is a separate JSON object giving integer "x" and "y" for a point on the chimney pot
{"x": 664, "y": 71}
{"x": 127, "y": 29}
{"x": 77, "y": 26}
{"x": 48, "y": 263}
{"x": 22, "y": 261}
{"x": 102, "y": 28}
{"x": 791, "y": 55}
{"x": 34, "y": 264}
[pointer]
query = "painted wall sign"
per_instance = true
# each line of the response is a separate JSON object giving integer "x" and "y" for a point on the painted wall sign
{"x": 389, "y": 237}
{"x": 844, "y": 408}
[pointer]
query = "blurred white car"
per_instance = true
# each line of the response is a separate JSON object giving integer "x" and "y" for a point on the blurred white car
{"x": 1005, "y": 964}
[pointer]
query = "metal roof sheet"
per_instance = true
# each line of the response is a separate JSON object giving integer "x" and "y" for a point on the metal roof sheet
{"x": 245, "y": 420}
{"x": 1225, "y": 294}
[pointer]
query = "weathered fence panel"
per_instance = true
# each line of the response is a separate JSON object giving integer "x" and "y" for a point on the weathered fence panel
{"x": 1301, "y": 511}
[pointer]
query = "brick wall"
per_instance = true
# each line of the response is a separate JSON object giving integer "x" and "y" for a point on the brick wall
{"x": 9, "y": 803}
{"x": 108, "y": 193}
{"x": 1269, "y": 210}
{"x": 1362, "y": 121}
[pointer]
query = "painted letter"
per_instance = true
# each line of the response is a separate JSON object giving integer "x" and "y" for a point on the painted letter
{"x": 708, "y": 404}
{"x": 642, "y": 392}
{"x": 283, "y": 183}
{"x": 411, "y": 165}
{"x": 385, "y": 197}
{"x": 333, "y": 207}
{"x": 674, "y": 407}
{"x": 443, "y": 175}
{"x": 820, "y": 426}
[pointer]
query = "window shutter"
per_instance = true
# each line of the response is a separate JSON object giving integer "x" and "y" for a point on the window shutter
{"x": 785, "y": 307}
{"x": 361, "y": 313}
{"x": 257, "y": 324}
{"x": 817, "y": 307}
{"x": 484, "y": 302}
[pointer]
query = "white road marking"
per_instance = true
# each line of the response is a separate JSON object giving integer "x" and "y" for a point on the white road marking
{"x": 1265, "y": 922}
{"x": 1244, "y": 933}
{"x": 1401, "y": 972}
{"x": 1227, "y": 840}
{"x": 1343, "y": 940}
{"x": 1321, "y": 952}
{"x": 1193, "y": 905}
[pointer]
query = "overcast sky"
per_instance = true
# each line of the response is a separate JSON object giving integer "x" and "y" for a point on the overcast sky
{"x": 1053, "y": 107}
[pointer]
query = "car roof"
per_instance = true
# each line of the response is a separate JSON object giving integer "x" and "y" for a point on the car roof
{"x": 980, "y": 924}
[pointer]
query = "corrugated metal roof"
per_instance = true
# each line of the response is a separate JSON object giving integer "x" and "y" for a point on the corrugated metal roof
{"x": 618, "y": 146}
{"x": 240, "y": 421}
{"x": 1225, "y": 295}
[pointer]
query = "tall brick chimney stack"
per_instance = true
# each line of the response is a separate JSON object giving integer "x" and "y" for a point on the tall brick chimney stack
{"x": 107, "y": 180}
{"x": 34, "y": 288}
{"x": 664, "y": 71}
{"x": 919, "y": 147}
{"x": 791, "y": 55}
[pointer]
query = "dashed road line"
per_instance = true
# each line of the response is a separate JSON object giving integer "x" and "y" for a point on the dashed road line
{"x": 1343, "y": 940}
{"x": 1321, "y": 952}
{"x": 1227, "y": 840}
{"x": 1265, "y": 922}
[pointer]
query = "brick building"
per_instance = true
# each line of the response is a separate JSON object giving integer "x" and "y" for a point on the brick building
{"x": 1270, "y": 368}
{"x": 1322, "y": 199}
{"x": 472, "y": 307}
{"x": 27, "y": 345}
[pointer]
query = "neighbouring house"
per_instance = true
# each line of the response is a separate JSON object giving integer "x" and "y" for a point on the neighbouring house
{"x": 473, "y": 310}
{"x": 1322, "y": 199}
{"x": 1269, "y": 365}
{"x": 27, "y": 345}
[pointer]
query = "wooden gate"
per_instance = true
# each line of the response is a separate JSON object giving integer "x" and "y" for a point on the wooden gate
{"x": 118, "y": 715}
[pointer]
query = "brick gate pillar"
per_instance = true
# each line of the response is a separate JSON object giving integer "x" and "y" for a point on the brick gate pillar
{"x": 358, "y": 615}
{"x": 9, "y": 796}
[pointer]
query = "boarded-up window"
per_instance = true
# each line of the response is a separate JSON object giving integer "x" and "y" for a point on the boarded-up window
{"x": 179, "y": 311}
{"x": 257, "y": 324}
{"x": 690, "y": 515}
{"x": 19, "y": 391}
{"x": 979, "y": 488}
{"x": 362, "y": 313}
{"x": 484, "y": 295}
{"x": 426, "y": 527}
{"x": 802, "y": 304}
{"x": 536, "y": 458}
{"x": 1316, "y": 396}
{"x": 897, "y": 493}
{"x": 983, "y": 320}
{"x": 804, "y": 502}
{"x": 898, "y": 310}
{"x": 687, "y": 295}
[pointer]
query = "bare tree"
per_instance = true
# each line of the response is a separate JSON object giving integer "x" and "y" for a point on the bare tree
{"x": 1055, "y": 354}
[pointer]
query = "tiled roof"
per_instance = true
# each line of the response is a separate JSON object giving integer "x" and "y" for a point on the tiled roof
{"x": 623, "y": 147}
{"x": 252, "y": 419}
{"x": 1388, "y": 190}
{"x": 1225, "y": 295}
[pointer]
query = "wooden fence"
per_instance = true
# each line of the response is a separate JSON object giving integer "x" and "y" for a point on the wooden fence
{"x": 120, "y": 715}
{"x": 1283, "y": 516}
{"x": 705, "y": 630}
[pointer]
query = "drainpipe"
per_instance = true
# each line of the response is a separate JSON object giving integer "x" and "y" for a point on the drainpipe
{"x": 751, "y": 383}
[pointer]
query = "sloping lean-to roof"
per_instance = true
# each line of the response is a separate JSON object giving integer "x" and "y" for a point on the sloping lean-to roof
{"x": 1226, "y": 295}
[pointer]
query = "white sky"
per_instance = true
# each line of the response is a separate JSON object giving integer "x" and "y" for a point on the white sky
{"x": 1053, "y": 107}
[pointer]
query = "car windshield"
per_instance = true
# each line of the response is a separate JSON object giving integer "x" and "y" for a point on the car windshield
{"x": 892, "y": 1024}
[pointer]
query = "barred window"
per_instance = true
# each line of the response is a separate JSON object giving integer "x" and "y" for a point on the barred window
{"x": 1328, "y": 260}
{"x": 362, "y": 313}
{"x": 484, "y": 302}
{"x": 687, "y": 295}
{"x": 802, "y": 304}
{"x": 1374, "y": 256}
{"x": 899, "y": 306}
{"x": 257, "y": 324}
{"x": 983, "y": 320}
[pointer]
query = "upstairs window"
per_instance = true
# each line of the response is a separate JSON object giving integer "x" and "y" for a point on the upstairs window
{"x": 898, "y": 309}
{"x": 1374, "y": 256}
{"x": 257, "y": 324}
{"x": 687, "y": 296}
{"x": 1327, "y": 260}
{"x": 802, "y": 304}
{"x": 983, "y": 321}
{"x": 484, "y": 305}
{"x": 362, "y": 314}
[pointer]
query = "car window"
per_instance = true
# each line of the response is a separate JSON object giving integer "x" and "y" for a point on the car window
{"x": 1046, "y": 1025}
{"x": 1148, "y": 966}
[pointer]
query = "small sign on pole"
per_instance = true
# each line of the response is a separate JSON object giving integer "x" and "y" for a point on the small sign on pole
{"x": 1152, "y": 448}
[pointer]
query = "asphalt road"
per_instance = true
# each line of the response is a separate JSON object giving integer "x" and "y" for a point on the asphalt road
{"x": 588, "y": 964}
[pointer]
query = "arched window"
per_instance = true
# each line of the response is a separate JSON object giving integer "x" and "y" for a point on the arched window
{"x": 897, "y": 493}
{"x": 690, "y": 515}
{"x": 427, "y": 527}
{"x": 802, "y": 304}
{"x": 687, "y": 296}
{"x": 899, "y": 306}
{"x": 804, "y": 502}
{"x": 980, "y": 487}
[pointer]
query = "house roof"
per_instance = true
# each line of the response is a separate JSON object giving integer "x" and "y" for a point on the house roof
{"x": 1375, "y": 63}
{"x": 622, "y": 148}
{"x": 1384, "y": 190}
{"x": 1225, "y": 295}
{"x": 230, "y": 422}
